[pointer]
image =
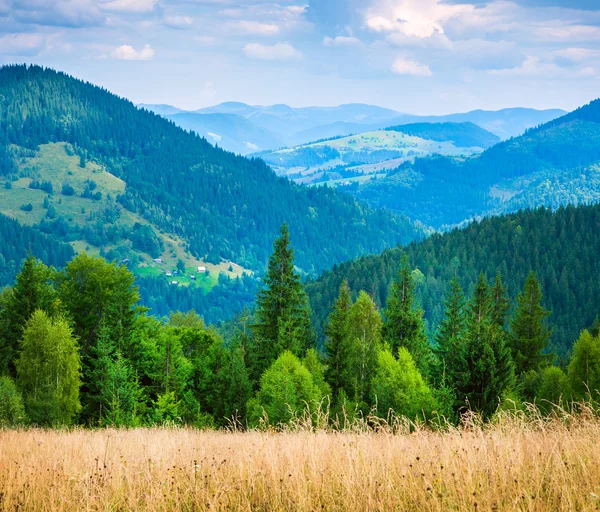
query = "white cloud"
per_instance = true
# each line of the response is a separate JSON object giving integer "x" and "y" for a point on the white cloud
{"x": 177, "y": 21}
{"x": 578, "y": 54}
{"x": 419, "y": 18}
{"x": 134, "y": 6}
{"x": 276, "y": 52}
{"x": 127, "y": 52}
{"x": 205, "y": 40}
{"x": 561, "y": 31}
{"x": 403, "y": 66}
{"x": 531, "y": 67}
{"x": 22, "y": 44}
{"x": 255, "y": 28}
{"x": 344, "y": 41}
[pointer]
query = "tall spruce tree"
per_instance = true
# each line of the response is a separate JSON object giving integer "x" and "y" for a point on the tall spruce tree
{"x": 33, "y": 290}
{"x": 486, "y": 369}
{"x": 450, "y": 335}
{"x": 529, "y": 334}
{"x": 403, "y": 326}
{"x": 336, "y": 341}
{"x": 500, "y": 302}
{"x": 283, "y": 314}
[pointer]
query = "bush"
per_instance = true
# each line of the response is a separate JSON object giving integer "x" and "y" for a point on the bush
{"x": 27, "y": 207}
{"x": 12, "y": 411}
{"x": 67, "y": 190}
{"x": 398, "y": 385}
{"x": 286, "y": 390}
{"x": 553, "y": 387}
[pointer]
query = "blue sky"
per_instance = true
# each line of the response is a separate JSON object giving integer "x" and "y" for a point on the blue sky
{"x": 418, "y": 56}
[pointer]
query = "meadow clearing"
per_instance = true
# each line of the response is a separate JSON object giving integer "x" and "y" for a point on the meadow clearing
{"x": 512, "y": 464}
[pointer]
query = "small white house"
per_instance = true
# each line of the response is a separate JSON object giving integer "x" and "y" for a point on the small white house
{"x": 174, "y": 282}
{"x": 158, "y": 260}
{"x": 193, "y": 277}
{"x": 201, "y": 270}
{"x": 169, "y": 273}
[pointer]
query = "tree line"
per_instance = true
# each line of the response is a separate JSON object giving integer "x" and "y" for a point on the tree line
{"x": 76, "y": 347}
{"x": 559, "y": 246}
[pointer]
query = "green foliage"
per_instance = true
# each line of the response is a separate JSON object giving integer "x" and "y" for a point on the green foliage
{"x": 237, "y": 385}
{"x": 560, "y": 247}
{"x": 118, "y": 399}
{"x": 12, "y": 411}
{"x": 286, "y": 391}
{"x": 364, "y": 343}
{"x": 32, "y": 291}
{"x": 167, "y": 409}
{"x": 282, "y": 313}
{"x": 584, "y": 369}
{"x": 96, "y": 293}
{"x": 398, "y": 386}
{"x": 485, "y": 370}
{"x": 403, "y": 326}
{"x": 48, "y": 370}
{"x": 312, "y": 362}
{"x": 529, "y": 334}
{"x": 553, "y": 387}
{"x": 337, "y": 339}
{"x": 450, "y": 335}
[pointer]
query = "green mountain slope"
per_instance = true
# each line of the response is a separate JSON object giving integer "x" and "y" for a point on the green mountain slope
{"x": 354, "y": 159}
{"x": 161, "y": 188}
{"x": 17, "y": 241}
{"x": 463, "y": 135}
{"x": 562, "y": 248}
{"x": 538, "y": 168}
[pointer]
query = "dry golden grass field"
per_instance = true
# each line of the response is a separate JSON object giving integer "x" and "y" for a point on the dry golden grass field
{"x": 512, "y": 465}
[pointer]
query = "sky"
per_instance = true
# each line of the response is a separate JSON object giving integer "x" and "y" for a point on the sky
{"x": 414, "y": 56}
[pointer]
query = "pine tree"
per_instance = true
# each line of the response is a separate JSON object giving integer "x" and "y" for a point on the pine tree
{"x": 33, "y": 290}
{"x": 116, "y": 396}
{"x": 238, "y": 387}
{"x": 500, "y": 302}
{"x": 529, "y": 334}
{"x": 48, "y": 370}
{"x": 404, "y": 325}
{"x": 451, "y": 333}
{"x": 336, "y": 341}
{"x": 485, "y": 370}
{"x": 283, "y": 314}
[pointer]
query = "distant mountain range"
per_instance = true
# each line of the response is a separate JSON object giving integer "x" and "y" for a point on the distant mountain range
{"x": 554, "y": 164}
{"x": 247, "y": 129}
{"x": 358, "y": 158}
{"x": 90, "y": 168}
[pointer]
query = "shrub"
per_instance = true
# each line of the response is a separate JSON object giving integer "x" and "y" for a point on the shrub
{"x": 12, "y": 411}
{"x": 286, "y": 390}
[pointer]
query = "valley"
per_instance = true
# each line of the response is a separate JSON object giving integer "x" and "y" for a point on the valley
{"x": 63, "y": 195}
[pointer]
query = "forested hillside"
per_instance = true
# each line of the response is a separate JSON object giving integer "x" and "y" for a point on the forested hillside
{"x": 355, "y": 159}
{"x": 562, "y": 248}
{"x": 221, "y": 206}
{"x": 550, "y": 165}
{"x": 464, "y": 135}
{"x": 17, "y": 241}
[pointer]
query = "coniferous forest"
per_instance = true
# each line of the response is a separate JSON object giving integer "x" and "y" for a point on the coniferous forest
{"x": 77, "y": 348}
